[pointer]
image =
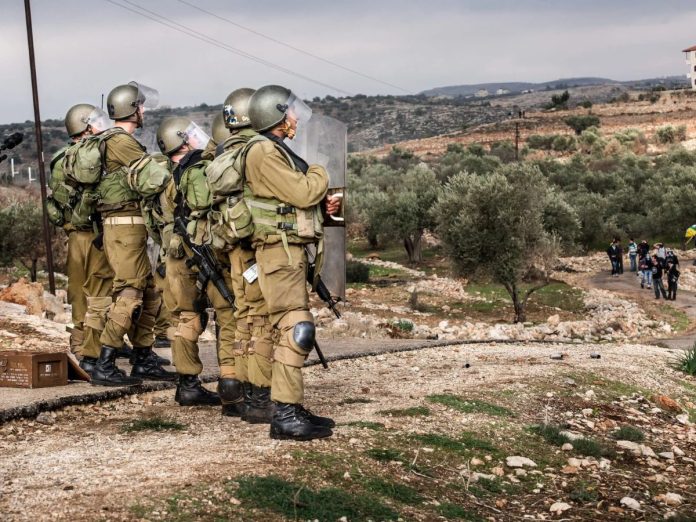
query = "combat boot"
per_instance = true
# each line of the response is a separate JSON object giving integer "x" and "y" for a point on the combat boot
{"x": 260, "y": 410}
{"x": 106, "y": 373}
{"x": 190, "y": 392}
{"x": 290, "y": 422}
{"x": 124, "y": 352}
{"x": 88, "y": 363}
{"x": 326, "y": 422}
{"x": 162, "y": 342}
{"x": 147, "y": 366}
{"x": 231, "y": 393}
{"x": 160, "y": 360}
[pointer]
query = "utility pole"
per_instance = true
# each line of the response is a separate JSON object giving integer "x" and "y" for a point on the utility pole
{"x": 517, "y": 140}
{"x": 39, "y": 149}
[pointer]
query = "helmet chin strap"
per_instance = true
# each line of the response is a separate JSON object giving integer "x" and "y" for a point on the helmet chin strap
{"x": 287, "y": 129}
{"x": 138, "y": 119}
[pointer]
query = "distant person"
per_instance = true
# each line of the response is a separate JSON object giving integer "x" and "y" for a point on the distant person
{"x": 643, "y": 249}
{"x": 613, "y": 253}
{"x": 672, "y": 281}
{"x": 671, "y": 258}
{"x": 657, "y": 273}
{"x": 620, "y": 254}
{"x": 632, "y": 255}
{"x": 661, "y": 253}
{"x": 646, "y": 271}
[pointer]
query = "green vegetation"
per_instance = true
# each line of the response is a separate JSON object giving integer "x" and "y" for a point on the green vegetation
{"x": 455, "y": 512}
{"x": 677, "y": 318}
{"x": 629, "y": 433}
{"x": 376, "y": 426}
{"x": 355, "y": 400}
{"x": 296, "y": 501}
{"x": 385, "y": 455}
{"x": 686, "y": 362}
{"x": 550, "y": 433}
{"x": 469, "y": 405}
{"x": 585, "y": 446}
{"x": 153, "y": 424}
{"x": 21, "y": 235}
{"x": 580, "y": 123}
{"x": 670, "y": 134}
{"x": 404, "y": 325}
{"x": 393, "y": 490}
{"x": 462, "y": 445}
{"x": 357, "y": 272}
{"x": 415, "y": 411}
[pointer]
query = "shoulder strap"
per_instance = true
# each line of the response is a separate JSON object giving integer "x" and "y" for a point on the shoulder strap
{"x": 59, "y": 156}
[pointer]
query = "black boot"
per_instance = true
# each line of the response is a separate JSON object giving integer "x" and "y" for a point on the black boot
{"x": 231, "y": 393}
{"x": 124, "y": 352}
{"x": 162, "y": 342}
{"x": 261, "y": 409}
{"x": 88, "y": 363}
{"x": 190, "y": 392}
{"x": 326, "y": 422}
{"x": 291, "y": 422}
{"x": 147, "y": 366}
{"x": 247, "y": 394}
{"x": 160, "y": 360}
{"x": 106, "y": 373}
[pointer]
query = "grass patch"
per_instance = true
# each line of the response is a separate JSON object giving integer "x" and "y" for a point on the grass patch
{"x": 355, "y": 400}
{"x": 550, "y": 433}
{"x": 584, "y": 494}
{"x": 559, "y": 295}
{"x": 676, "y": 318}
{"x": 416, "y": 411}
{"x": 382, "y": 271}
{"x": 385, "y": 455}
{"x": 296, "y": 501}
{"x": 629, "y": 433}
{"x": 376, "y": 426}
{"x": 592, "y": 448}
{"x": 686, "y": 362}
{"x": 462, "y": 445}
{"x": 153, "y": 424}
{"x": 393, "y": 490}
{"x": 403, "y": 324}
{"x": 470, "y": 405}
{"x": 455, "y": 512}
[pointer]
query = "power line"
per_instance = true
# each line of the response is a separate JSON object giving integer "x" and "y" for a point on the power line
{"x": 289, "y": 46}
{"x": 167, "y": 22}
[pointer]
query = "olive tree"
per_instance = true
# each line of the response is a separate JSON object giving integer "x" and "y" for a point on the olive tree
{"x": 493, "y": 226}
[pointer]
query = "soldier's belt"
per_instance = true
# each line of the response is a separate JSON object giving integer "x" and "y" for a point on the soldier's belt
{"x": 124, "y": 220}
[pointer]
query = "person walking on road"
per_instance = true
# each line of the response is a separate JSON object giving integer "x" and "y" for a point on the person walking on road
{"x": 658, "y": 285}
{"x": 632, "y": 255}
{"x": 614, "y": 252}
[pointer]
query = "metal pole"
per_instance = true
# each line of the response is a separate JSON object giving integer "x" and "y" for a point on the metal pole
{"x": 39, "y": 150}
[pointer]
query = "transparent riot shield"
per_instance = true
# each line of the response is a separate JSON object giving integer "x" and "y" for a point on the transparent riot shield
{"x": 324, "y": 141}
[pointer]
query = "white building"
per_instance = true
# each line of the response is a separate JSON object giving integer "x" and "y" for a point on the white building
{"x": 482, "y": 93}
{"x": 500, "y": 92}
{"x": 690, "y": 54}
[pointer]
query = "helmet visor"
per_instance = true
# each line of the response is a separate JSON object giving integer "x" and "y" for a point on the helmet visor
{"x": 298, "y": 110}
{"x": 195, "y": 137}
{"x": 147, "y": 96}
{"x": 99, "y": 120}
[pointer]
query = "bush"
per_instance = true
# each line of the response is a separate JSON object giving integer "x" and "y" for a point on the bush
{"x": 581, "y": 123}
{"x": 357, "y": 272}
{"x": 670, "y": 134}
{"x": 504, "y": 151}
{"x": 563, "y": 143}
{"x": 587, "y": 104}
{"x": 687, "y": 361}
{"x": 541, "y": 142}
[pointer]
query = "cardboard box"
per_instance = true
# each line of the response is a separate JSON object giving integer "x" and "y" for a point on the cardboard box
{"x": 33, "y": 369}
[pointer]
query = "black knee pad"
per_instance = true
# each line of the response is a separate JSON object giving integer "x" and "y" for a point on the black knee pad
{"x": 303, "y": 334}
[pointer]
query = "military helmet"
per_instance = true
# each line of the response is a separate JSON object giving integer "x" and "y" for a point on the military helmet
{"x": 171, "y": 134}
{"x": 77, "y": 118}
{"x": 122, "y": 101}
{"x": 219, "y": 130}
{"x": 236, "y": 108}
{"x": 272, "y": 103}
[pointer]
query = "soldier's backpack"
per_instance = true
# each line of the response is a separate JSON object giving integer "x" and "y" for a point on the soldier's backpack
{"x": 63, "y": 196}
{"x": 230, "y": 219}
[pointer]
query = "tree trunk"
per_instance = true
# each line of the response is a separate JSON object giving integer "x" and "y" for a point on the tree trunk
{"x": 414, "y": 247}
{"x": 372, "y": 239}
{"x": 34, "y": 270}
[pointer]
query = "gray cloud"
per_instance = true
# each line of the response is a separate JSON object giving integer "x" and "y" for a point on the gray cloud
{"x": 84, "y": 47}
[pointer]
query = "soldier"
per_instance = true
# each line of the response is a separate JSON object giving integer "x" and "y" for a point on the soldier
{"x": 284, "y": 195}
{"x": 130, "y": 175}
{"x": 251, "y": 379}
{"x": 184, "y": 143}
{"x": 89, "y": 274}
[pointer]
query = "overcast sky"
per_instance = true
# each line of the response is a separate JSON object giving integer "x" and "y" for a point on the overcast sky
{"x": 85, "y": 47}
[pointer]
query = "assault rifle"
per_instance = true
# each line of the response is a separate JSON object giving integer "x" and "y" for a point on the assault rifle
{"x": 204, "y": 260}
{"x": 324, "y": 294}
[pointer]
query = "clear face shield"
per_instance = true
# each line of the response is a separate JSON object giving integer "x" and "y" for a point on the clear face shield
{"x": 148, "y": 97}
{"x": 195, "y": 137}
{"x": 99, "y": 120}
{"x": 298, "y": 114}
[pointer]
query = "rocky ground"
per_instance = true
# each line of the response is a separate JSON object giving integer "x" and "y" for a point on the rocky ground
{"x": 500, "y": 430}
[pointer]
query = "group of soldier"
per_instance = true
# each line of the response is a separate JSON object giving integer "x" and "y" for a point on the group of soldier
{"x": 246, "y": 198}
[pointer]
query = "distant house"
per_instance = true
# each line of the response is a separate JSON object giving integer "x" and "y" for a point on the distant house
{"x": 500, "y": 92}
{"x": 690, "y": 54}
{"x": 482, "y": 93}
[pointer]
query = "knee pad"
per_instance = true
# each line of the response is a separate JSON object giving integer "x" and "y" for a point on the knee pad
{"x": 295, "y": 327}
{"x": 190, "y": 326}
{"x": 303, "y": 334}
{"x": 152, "y": 302}
{"x": 126, "y": 307}
{"x": 97, "y": 308}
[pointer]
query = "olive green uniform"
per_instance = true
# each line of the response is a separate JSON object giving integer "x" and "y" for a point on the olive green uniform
{"x": 273, "y": 181}
{"x": 136, "y": 302}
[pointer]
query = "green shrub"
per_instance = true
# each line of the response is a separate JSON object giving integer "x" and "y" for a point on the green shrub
{"x": 563, "y": 143}
{"x": 357, "y": 272}
{"x": 629, "y": 433}
{"x": 541, "y": 142}
{"x": 687, "y": 361}
{"x": 670, "y": 134}
{"x": 583, "y": 122}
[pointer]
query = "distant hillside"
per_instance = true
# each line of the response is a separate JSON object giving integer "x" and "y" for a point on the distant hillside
{"x": 518, "y": 87}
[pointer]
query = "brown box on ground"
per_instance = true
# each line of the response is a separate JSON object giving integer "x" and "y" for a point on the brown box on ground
{"x": 33, "y": 369}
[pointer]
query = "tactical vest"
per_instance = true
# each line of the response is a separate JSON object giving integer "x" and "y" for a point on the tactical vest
{"x": 114, "y": 191}
{"x": 275, "y": 221}
{"x": 158, "y": 210}
{"x": 63, "y": 196}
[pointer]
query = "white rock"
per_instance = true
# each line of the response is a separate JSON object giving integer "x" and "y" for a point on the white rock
{"x": 677, "y": 451}
{"x": 630, "y": 446}
{"x": 45, "y": 418}
{"x": 559, "y": 507}
{"x": 683, "y": 419}
{"x": 571, "y": 435}
{"x": 647, "y": 451}
{"x": 590, "y": 394}
{"x": 567, "y": 447}
{"x": 519, "y": 462}
{"x": 475, "y": 476}
{"x": 604, "y": 464}
{"x": 667, "y": 455}
{"x": 574, "y": 462}
{"x": 673, "y": 499}
{"x": 630, "y": 503}
{"x": 520, "y": 473}
{"x": 587, "y": 412}
{"x": 476, "y": 462}
{"x": 554, "y": 320}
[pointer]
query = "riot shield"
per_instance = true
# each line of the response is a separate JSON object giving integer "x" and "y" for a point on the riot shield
{"x": 324, "y": 141}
